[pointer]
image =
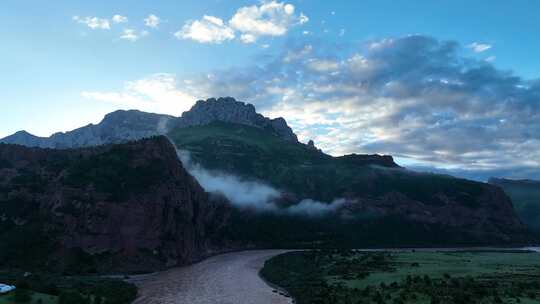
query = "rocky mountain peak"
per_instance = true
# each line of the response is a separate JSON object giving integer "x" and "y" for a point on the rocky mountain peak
{"x": 228, "y": 109}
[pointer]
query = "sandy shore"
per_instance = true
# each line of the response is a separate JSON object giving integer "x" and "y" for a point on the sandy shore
{"x": 231, "y": 278}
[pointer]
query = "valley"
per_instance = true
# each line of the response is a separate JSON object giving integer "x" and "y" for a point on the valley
{"x": 162, "y": 199}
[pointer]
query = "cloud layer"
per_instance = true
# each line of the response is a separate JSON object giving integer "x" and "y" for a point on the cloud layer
{"x": 414, "y": 97}
{"x": 251, "y": 194}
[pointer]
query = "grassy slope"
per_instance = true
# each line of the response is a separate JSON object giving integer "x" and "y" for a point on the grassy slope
{"x": 255, "y": 153}
{"x": 458, "y": 277}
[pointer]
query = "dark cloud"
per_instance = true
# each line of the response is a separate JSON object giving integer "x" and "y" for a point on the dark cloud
{"x": 414, "y": 97}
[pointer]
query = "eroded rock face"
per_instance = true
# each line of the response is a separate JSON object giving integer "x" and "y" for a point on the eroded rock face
{"x": 132, "y": 204}
{"x": 227, "y": 109}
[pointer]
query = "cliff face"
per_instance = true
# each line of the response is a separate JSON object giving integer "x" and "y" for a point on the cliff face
{"x": 125, "y": 207}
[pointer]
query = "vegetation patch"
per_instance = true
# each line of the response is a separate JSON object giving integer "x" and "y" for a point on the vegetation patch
{"x": 46, "y": 288}
{"x": 350, "y": 276}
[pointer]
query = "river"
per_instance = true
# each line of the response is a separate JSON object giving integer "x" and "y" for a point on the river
{"x": 231, "y": 278}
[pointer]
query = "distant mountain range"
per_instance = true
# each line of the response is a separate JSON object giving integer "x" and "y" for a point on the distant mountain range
{"x": 127, "y": 201}
{"x": 122, "y": 126}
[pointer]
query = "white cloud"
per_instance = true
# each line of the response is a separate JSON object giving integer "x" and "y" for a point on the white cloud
{"x": 248, "y": 38}
{"x": 152, "y": 21}
{"x": 479, "y": 47}
{"x": 303, "y": 18}
{"x": 119, "y": 19}
{"x": 491, "y": 58}
{"x": 209, "y": 29}
{"x": 322, "y": 65}
{"x": 132, "y": 35}
{"x": 158, "y": 93}
{"x": 93, "y": 22}
{"x": 269, "y": 19}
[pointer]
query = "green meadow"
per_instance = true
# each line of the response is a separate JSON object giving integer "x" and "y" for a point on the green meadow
{"x": 349, "y": 276}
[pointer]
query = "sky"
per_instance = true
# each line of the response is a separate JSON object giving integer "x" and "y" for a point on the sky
{"x": 446, "y": 86}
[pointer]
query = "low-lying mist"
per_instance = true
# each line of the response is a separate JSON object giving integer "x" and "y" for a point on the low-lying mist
{"x": 252, "y": 194}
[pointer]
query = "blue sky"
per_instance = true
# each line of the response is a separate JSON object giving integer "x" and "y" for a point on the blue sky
{"x": 67, "y": 63}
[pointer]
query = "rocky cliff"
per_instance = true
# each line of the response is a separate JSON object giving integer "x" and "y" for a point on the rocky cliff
{"x": 231, "y": 111}
{"x": 127, "y": 207}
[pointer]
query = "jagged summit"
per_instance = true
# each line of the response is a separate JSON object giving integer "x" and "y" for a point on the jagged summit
{"x": 228, "y": 109}
{"x": 125, "y": 125}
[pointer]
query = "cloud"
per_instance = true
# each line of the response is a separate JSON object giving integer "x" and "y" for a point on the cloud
{"x": 152, "y": 21}
{"x": 93, "y": 22}
{"x": 249, "y": 23}
{"x": 119, "y": 19}
{"x": 313, "y": 208}
{"x": 240, "y": 192}
{"x": 252, "y": 194}
{"x": 157, "y": 93}
{"x": 132, "y": 35}
{"x": 414, "y": 97}
{"x": 269, "y": 19}
{"x": 209, "y": 29}
{"x": 479, "y": 47}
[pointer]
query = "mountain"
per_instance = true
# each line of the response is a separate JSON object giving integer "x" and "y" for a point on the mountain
{"x": 318, "y": 200}
{"x": 125, "y": 207}
{"x": 231, "y": 111}
{"x": 121, "y": 126}
{"x": 116, "y": 127}
{"x": 525, "y": 195}
{"x": 385, "y": 203}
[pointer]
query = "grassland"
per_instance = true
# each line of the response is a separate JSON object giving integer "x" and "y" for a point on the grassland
{"x": 33, "y": 297}
{"x": 346, "y": 276}
{"x": 46, "y": 288}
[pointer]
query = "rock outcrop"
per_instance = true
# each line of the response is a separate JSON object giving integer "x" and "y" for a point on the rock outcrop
{"x": 127, "y": 207}
{"x": 229, "y": 110}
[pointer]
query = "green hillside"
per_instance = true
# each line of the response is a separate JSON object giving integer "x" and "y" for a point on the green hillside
{"x": 294, "y": 167}
{"x": 390, "y": 205}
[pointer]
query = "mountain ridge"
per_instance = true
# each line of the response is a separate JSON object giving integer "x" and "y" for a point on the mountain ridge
{"x": 125, "y": 125}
